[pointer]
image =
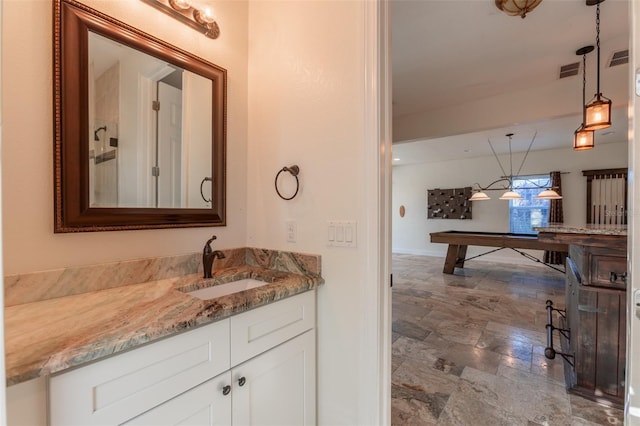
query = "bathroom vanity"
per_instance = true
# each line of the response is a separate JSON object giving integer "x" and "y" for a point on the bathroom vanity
{"x": 169, "y": 351}
{"x": 254, "y": 367}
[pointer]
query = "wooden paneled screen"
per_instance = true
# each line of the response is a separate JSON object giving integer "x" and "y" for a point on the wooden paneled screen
{"x": 606, "y": 196}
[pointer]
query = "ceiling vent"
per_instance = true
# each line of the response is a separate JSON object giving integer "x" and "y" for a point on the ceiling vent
{"x": 569, "y": 70}
{"x": 619, "y": 58}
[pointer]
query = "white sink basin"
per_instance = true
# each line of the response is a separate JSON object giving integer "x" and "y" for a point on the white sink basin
{"x": 227, "y": 288}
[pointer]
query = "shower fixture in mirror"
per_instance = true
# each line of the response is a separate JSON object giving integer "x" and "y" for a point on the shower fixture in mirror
{"x": 140, "y": 128}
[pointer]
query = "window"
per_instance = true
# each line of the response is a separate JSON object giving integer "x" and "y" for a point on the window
{"x": 528, "y": 212}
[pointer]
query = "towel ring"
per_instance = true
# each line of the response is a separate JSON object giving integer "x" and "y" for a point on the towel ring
{"x": 207, "y": 179}
{"x": 294, "y": 170}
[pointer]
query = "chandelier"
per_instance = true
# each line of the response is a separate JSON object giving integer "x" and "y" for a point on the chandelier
{"x": 507, "y": 180}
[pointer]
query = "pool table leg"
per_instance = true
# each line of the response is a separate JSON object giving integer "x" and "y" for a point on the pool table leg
{"x": 455, "y": 257}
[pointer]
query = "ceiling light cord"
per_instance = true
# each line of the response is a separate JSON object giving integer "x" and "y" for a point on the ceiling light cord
{"x": 584, "y": 87}
{"x": 497, "y": 159}
{"x": 597, "y": 46}
{"x": 510, "y": 161}
{"x": 527, "y": 153}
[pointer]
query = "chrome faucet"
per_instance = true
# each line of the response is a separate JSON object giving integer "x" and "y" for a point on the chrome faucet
{"x": 208, "y": 256}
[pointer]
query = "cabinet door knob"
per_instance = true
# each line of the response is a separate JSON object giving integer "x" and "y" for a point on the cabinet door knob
{"x": 226, "y": 390}
{"x": 242, "y": 381}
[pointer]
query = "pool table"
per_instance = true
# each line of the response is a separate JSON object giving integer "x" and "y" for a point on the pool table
{"x": 459, "y": 241}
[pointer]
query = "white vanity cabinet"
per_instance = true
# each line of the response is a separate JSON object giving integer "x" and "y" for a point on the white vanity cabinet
{"x": 257, "y": 367}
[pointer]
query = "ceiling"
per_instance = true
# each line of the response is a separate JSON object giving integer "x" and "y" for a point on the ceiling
{"x": 453, "y": 52}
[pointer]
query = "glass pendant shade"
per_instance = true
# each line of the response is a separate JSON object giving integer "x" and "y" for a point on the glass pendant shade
{"x": 549, "y": 194}
{"x": 479, "y": 196}
{"x": 598, "y": 114}
{"x": 583, "y": 139}
{"x": 510, "y": 195}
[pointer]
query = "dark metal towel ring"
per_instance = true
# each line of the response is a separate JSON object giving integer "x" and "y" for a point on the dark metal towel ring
{"x": 294, "y": 170}
{"x": 207, "y": 179}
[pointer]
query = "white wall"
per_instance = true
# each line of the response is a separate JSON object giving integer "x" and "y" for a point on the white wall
{"x": 410, "y": 184}
{"x": 27, "y": 151}
{"x": 306, "y": 103}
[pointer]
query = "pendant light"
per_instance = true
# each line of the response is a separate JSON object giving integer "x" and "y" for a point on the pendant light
{"x": 479, "y": 196}
{"x": 549, "y": 194}
{"x": 598, "y": 111}
{"x": 510, "y": 195}
{"x": 582, "y": 138}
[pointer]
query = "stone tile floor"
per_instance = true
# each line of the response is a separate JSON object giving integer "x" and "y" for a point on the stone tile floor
{"x": 468, "y": 348}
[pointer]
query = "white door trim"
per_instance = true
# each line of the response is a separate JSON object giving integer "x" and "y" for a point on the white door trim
{"x": 632, "y": 380}
{"x": 375, "y": 368}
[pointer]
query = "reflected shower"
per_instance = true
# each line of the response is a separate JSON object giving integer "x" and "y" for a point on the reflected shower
{"x": 95, "y": 134}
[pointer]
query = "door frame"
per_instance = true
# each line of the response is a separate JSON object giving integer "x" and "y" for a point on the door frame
{"x": 376, "y": 320}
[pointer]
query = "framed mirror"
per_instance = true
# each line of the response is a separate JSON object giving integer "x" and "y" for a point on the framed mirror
{"x": 140, "y": 128}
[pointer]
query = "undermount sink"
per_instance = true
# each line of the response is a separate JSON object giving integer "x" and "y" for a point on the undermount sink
{"x": 226, "y": 289}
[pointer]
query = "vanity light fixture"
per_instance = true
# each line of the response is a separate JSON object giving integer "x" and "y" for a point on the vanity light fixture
{"x": 517, "y": 7}
{"x": 598, "y": 111}
{"x": 583, "y": 138}
{"x": 200, "y": 18}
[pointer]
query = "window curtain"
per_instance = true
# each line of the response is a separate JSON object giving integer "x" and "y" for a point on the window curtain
{"x": 555, "y": 216}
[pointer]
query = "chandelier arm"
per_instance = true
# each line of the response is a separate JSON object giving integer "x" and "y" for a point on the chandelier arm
{"x": 496, "y": 155}
{"x": 488, "y": 187}
{"x": 527, "y": 153}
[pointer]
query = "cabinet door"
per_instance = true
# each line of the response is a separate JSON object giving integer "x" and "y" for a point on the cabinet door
{"x": 279, "y": 386}
{"x": 204, "y": 405}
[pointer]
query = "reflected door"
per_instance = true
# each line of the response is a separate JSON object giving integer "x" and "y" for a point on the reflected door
{"x": 169, "y": 146}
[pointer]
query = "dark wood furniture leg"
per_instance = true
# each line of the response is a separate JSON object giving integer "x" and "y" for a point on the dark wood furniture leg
{"x": 455, "y": 257}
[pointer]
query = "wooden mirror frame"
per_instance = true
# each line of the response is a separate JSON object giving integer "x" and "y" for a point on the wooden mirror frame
{"x": 72, "y": 23}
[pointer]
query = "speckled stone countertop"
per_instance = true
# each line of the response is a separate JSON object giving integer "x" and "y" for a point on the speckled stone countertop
{"x": 48, "y": 336}
{"x": 590, "y": 229}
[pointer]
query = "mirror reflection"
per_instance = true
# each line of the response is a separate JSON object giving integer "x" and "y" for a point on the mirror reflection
{"x": 150, "y": 130}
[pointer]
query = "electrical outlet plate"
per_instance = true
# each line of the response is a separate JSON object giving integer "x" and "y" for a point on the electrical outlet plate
{"x": 342, "y": 233}
{"x": 292, "y": 231}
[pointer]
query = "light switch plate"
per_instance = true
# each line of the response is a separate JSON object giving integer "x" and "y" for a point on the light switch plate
{"x": 342, "y": 233}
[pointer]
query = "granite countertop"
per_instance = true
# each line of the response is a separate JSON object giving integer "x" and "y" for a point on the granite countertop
{"x": 49, "y": 336}
{"x": 590, "y": 229}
